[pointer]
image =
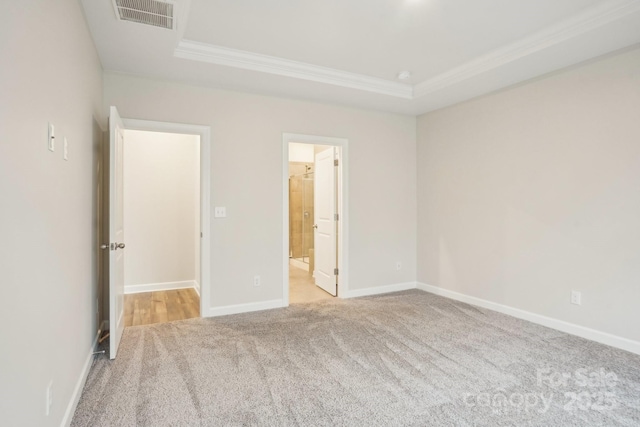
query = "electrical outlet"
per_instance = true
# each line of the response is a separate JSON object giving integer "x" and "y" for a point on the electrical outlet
{"x": 398, "y": 265}
{"x": 576, "y": 297}
{"x": 220, "y": 212}
{"x": 49, "y": 398}
{"x": 256, "y": 280}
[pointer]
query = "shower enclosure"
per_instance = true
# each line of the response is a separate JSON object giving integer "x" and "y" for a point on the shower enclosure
{"x": 301, "y": 211}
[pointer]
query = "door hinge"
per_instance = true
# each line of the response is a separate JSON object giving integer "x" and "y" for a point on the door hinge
{"x": 201, "y": 234}
{"x": 335, "y": 271}
{"x": 335, "y": 162}
{"x": 336, "y": 217}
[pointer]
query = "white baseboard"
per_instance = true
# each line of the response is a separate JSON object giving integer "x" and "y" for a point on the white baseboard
{"x": 268, "y": 305}
{"x": 396, "y": 287}
{"x": 77, "y": 391}
{"x": 196, "y": 287}
{"x": 243, "y": 308}
{"x": 164, "y": 286}
{"x": 560, "y": 325}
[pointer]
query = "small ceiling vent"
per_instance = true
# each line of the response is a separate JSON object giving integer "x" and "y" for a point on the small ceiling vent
{"x": 157, "y": 13}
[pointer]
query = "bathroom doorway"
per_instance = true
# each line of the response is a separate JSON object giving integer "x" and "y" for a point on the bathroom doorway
{"x": 301, "y": 211}
{"x": 302, "y": 223}
{"x": 314, "y": 195}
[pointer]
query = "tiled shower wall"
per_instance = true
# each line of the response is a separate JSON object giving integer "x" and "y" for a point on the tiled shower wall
{"x": 300, "y": 208}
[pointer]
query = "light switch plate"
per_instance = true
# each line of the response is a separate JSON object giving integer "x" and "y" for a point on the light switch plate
{"x": 220, "y": 212}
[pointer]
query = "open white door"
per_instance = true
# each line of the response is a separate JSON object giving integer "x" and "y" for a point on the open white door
{"x": 325, "y": 205}
{"x": 116, "y": 232}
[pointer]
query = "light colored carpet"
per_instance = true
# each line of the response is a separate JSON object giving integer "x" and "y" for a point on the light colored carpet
{"x": 403, "y": 359}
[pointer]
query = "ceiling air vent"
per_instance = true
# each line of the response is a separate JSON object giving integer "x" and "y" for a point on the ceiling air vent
{"x": 157, "y": 13}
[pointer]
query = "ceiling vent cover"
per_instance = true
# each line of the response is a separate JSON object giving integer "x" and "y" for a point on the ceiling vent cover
{"x": 157, "y": 13}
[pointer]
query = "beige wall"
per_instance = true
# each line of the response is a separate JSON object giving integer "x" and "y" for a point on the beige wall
{"x": 529, "y": 193}
{"x": 50, "y": 72}
{"x": 523, "y": 195}
{"x": 161, "y": 207}
{"x": 246, "y": 161}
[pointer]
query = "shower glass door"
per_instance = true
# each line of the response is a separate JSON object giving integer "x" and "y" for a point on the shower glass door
{"x": 307, "y": 218}
{"x": 301, "y": 218}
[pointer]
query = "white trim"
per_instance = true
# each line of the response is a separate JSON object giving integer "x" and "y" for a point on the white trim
{"x": 196, "y": 287}
{"x": 343, "y": 208}
{"x": 244, "y": 308}
{"x": 164, "y": 286}
{"x": 204, "y": 52}
{"x": 560, "y": 325}
{"x": 77, "y": 390}
{"x": 589, "y": 20}
{"x": 385, "y": 289}
{"x": 205, "y": 193}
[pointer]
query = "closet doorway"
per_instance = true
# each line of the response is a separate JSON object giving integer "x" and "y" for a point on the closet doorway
{"x": 114, "y": 240}
{"x": 162, "y": 218}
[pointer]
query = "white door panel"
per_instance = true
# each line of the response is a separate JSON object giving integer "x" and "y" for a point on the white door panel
{"x": 116, "y": 232}
{"x": 325, "y": 226}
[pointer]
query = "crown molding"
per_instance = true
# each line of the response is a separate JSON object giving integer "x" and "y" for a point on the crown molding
{"x": 188, "y": 49}
{"x": 589, "y": 20}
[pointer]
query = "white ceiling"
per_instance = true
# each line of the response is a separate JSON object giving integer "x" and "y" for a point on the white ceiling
{"x": 350, "y": 52}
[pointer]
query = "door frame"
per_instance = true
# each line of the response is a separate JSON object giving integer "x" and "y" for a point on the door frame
{"x": 205, "y": 193}
{"x": 343, "y": 208}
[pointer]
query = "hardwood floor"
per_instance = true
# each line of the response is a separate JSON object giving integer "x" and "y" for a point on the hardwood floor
{"x": 162, "y": 306}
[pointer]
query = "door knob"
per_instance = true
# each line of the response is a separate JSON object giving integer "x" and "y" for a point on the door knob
{"x": 104, "y": 246}
{"x": 120, "y": 245}
{"x": 315, "y": 225}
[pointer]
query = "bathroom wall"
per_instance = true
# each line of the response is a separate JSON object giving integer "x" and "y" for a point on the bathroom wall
{"x": 301, "y": 152}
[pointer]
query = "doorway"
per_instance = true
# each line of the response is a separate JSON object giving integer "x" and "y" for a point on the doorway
{"x": 204, "y": 133}
{"x": 114, "y": 237}
{"x": 315, "y": 218}
{"x": 161, "y": 213}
